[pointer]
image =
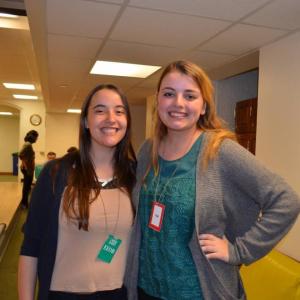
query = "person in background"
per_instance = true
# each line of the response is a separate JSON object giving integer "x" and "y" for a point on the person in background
{"x": 51, "y": 155}
{"x": 38, "y": 167}
{"x": 205, "y": 205}
{"x": 77, "y": 231}
{"x": 71, "y": 149}
{"x": 27, "y": 157}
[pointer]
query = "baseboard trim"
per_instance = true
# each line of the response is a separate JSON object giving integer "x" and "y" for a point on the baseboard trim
{"x": 6, "y": 173}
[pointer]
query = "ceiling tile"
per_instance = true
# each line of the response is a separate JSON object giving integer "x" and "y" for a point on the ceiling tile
{"x": 80, "y": 18}
{"x": 62, "y": 95}
{"x": 165, "y": 29}
{"x": 11, "y": 41}
{"x": 225, "y": 9}
{"x": 151, "y": 82}
{"x": 14, "y": 68}
{"x": 242, "y": 38}
{"x": 209, "y": 60}
{"x": 64, "y": 70}
{"x": 283, "y": 14}
{"x": 92, "y": 81}
{"x": 69, "y": 34}
{"x": 72, "y": 46}
{"x": 124, "y": 83}
{"x": 138, "y": 53}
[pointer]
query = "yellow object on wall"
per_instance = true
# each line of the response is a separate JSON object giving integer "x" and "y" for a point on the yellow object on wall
{"x": 274, "y": 277}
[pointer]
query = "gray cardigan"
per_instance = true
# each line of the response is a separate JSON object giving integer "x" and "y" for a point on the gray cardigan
{"x": 237, "y": 197}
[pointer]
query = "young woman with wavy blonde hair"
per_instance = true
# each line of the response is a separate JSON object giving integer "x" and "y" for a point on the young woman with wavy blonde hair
{"x": 204, "y": 204}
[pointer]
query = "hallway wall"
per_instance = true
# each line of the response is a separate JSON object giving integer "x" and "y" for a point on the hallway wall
{"x": 61, "y": 132}
{"x": 278, "y": 121}
{"x": 231, "y": 90}
{"x": 9, "y": 141}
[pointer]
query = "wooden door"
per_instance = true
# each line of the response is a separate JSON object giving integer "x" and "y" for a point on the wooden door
{"x": 245, "y": 116}
{"x": 248, "y": 141}
{"x": 245, "y": 123}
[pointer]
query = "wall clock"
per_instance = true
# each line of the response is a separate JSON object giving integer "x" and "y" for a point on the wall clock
{"x": 35, "y": 119}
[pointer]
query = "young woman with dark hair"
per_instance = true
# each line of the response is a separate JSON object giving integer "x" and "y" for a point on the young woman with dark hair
{"x": 77, "y": 231}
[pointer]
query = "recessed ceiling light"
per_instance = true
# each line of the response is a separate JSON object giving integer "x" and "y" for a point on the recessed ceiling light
{"x": 74, "y": 110}
{"x": 5, "y": 113}
{"x": 19, "y": 86}
{"x": 122, "y": 69}
{"x": 25, "y": 97}
{"x": 4, "y": 15}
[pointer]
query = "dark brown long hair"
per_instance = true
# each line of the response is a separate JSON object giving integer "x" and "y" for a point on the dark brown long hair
{"x": 83, "y": 186}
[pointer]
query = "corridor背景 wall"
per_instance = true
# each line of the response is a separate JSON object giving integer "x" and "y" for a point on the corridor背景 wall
{"x": 9, "y": 132}
{"x": 61, "y": 132}
{"x": 278, "y": 121}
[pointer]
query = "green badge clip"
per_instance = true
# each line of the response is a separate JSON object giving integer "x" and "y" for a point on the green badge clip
{"x": 109, "y": 249}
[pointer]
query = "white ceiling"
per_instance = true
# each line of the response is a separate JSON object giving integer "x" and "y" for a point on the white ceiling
{"x": 67, "y": 36}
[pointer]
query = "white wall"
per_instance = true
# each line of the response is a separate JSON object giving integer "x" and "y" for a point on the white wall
{"x": 9, "y": 141}
{"x": 278, "y": 122}
{"x": 150, "y": 103}
{"x": 138, "y": 115}
{"x": 62, "y": 132}
{"x": 231, "y": 90}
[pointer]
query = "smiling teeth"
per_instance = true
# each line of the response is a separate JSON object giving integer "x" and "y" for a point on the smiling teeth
{"x": 177, "y": 114}
{"x": 109, "y": 130}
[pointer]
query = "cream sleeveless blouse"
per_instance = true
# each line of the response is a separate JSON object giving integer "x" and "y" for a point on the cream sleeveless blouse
{"x": 77, "y": 268}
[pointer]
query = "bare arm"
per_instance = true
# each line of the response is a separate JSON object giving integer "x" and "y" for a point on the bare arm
{"x": 27, "y": 274}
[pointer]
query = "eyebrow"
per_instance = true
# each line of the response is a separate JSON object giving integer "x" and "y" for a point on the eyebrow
{"x": 98, "y": 105}
{"x": 120, "y": 106}
{"x": 167, "y": 88}
{"x": 103, "y": 106}
{"x": 189, "y": 91}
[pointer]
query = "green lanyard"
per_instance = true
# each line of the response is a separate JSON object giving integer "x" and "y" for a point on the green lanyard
{"x": 111, "y": 244}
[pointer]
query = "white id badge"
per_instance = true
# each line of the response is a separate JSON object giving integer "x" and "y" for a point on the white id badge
{"x": 156, "y": 217}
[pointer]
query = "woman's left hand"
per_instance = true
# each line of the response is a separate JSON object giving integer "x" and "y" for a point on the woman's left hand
{"x": 214, "y": 247}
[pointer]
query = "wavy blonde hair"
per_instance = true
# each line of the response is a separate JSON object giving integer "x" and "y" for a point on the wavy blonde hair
{"x": 208, "y": 122}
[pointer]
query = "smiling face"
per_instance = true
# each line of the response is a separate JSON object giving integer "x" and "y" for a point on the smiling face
{"x": 180, "y": 102}
{"x": 106, "y": 119}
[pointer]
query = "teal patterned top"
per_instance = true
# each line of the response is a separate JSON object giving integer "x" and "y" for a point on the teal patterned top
{"x": 167, "y": 269}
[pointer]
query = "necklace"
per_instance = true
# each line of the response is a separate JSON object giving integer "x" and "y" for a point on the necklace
{"x": 111, "y": 244}
{"x": 104, "y": 182}
{"x": 173, "y": 173}
{"x": 105, "y": 214}
{"x": 158, "y": 209}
